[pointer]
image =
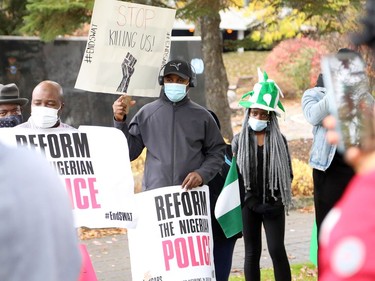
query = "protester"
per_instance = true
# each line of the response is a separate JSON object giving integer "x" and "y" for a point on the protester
{"x": 47, "y": 104}
{"x": 223, "y": 246}
{"x": 264, "y": 163}
{"x": 11, "y": 105}
{"x": 330, "y": 172}
{"x": 347, "y": 236}
{"x": 184, "y": 145}
{"x": 38, "y": 240}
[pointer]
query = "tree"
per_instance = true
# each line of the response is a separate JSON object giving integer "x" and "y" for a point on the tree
{"x": 216, "y": 80}
{"x": 11, "y": 14}
{"x": 49, "y": 19}
{"x": 206, "y": 14}
{"x": 278, "y": 20}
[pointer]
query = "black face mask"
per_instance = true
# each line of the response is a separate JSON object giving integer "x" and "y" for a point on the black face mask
{"x": 10, "y": 121}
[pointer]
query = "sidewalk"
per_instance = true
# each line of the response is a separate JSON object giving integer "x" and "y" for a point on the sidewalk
{"x": 111, "y": 261}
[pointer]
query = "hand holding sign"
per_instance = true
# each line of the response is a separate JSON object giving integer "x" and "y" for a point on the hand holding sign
{"x": 192, "y": 180}
{"x": 121, "y": 107}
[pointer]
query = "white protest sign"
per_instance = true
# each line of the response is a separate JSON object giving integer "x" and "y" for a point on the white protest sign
{"x": 127, "y": 45}
{"x": 93, "y": 164}
{"x": 173, "y": 238}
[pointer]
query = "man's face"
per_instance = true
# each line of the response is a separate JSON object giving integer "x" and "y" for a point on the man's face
{"x": 173, "y": 78}
{"x": 47, "y": 96}
{"x": 9, "y": 109}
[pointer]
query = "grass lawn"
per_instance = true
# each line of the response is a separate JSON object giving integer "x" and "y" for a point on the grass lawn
{"x": 243, "y": 64}
{"x": 303, "y": 272}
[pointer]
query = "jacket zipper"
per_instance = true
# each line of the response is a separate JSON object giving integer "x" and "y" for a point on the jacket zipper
{"x": 173, "y": 141}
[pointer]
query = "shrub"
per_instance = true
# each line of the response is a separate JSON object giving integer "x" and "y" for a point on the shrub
{"x": 137, "y": 167}
{"x": 302, "y": 184}
{"x": 295, "y": 65}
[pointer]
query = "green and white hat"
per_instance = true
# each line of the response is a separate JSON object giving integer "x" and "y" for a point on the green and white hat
{"x": 265, "y": 95}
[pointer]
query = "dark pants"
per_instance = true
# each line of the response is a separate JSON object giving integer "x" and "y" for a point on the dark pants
{"x": 274, "y": 226}
{"x": 329, "y": 186}
{"x": 223, "y": 253}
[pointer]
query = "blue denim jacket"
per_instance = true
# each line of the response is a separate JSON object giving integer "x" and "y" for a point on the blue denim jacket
{"x": 315, "y": 107}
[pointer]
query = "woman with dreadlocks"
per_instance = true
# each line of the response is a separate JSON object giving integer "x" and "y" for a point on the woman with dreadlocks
{"x": 264, "y": 163}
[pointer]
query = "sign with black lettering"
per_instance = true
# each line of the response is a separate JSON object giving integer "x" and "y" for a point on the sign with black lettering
{"x": 126, "y": 47}
{"x": 93, "y": 163}
{"x": 173, "y": 237}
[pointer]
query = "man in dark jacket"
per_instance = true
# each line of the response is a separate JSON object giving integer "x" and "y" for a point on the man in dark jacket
{"x": 184, "y": 144}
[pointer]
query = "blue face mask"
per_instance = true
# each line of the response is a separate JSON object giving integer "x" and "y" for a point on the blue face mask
{"x": 257, "y": 125}
{"x": 10, "y": 121}
{"x": 174, "y": 91}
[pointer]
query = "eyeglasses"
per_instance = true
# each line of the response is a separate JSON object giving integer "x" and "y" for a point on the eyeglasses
{"x": 259, "y": 114}
{"x": 14, "y": 111}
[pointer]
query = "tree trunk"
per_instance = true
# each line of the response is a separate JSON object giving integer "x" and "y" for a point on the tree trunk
{"x": 216, "y": 81}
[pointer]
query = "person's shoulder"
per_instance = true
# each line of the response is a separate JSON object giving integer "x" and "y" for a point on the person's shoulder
{"x": 200, "y": 111}
{"x": 23, "y": 125}
{"x": 284, "y": 138}
{"x": 192, "y": 104}
{"x": 150, "y": 107}
{"x": 234, "y": 142}
{"x": 20, "y": 157}
{"x": 66, "y": 126}
{"x": 315, "y": 90}
{"x": 236, "y": 136}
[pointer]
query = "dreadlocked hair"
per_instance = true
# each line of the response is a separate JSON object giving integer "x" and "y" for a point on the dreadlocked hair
{"x": 276, "y": 159}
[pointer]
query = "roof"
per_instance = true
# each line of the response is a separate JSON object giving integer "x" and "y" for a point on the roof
{"x": 231, "y": 18}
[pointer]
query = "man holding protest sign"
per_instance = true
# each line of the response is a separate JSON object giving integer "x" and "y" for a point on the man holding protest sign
{"x": 184, "y": 144}
{"x": 46, "y": 106}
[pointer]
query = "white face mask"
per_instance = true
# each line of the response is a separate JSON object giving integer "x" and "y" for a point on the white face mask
{"x": 257, "y": 125}
{"x": 44, "y": 117}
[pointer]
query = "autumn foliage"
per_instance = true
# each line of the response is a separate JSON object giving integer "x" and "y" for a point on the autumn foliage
{"x": 302, "y": 184}
{"x": 295, "y": 65}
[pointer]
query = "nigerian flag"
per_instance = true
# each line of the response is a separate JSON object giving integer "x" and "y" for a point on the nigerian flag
{"x": 228, "y": 206}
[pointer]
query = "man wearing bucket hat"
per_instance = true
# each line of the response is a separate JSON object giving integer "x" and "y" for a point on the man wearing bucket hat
{"x": 264, "y": 163}
{"x": 184, "y": 144}
{"x": 11, "y": 105}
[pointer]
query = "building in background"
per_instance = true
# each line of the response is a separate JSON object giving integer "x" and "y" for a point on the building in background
{"x": 234, "y": 25}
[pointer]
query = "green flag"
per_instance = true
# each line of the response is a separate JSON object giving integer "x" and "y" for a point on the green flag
{"x": 228, "y": 206}
{"x": 314, "y": 245}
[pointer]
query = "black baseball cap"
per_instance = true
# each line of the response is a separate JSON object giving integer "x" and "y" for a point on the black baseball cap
{"x": 178, "y": 67}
